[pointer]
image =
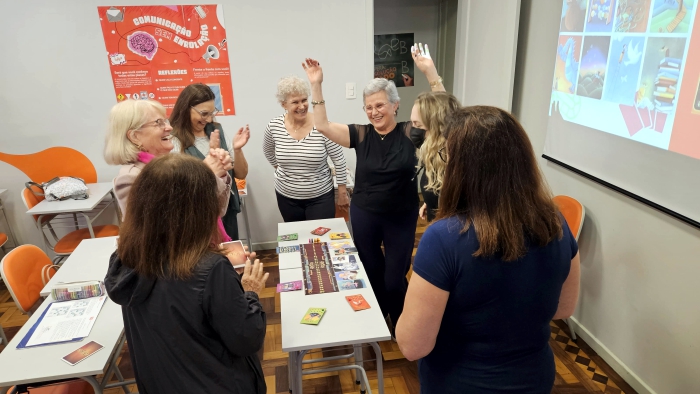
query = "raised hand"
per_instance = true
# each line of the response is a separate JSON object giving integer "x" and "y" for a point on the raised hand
{"x": 241, "y": 137}
{"x": 214, "y": 140}
{"x": 225, "y": 159}
{"x": 213, "y": 161}
{"x": 421, "y": 56}
{"x": 254, "y": 278}
{"x": 313, "y": 70}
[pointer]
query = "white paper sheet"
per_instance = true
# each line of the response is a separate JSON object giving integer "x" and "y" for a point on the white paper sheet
{"x": 67, "y": 320}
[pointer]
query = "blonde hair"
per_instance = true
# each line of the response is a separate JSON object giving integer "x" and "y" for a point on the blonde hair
{"x": 292, "y": 85}
{"x": 124, "y": 116}
{"x": 434, "y": 107}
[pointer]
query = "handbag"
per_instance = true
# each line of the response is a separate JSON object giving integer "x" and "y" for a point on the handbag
{"x": 61, "y": 188}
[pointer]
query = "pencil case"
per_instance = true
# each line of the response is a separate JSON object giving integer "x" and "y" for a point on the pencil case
{"x": 78, "y": 290}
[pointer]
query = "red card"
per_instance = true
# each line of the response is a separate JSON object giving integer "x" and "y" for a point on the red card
{"x": 357, "y": 302}
{"x": 320, "y": 231}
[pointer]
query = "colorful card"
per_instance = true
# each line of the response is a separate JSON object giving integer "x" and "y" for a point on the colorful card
{"x": 289, "y": 286}
{"x": 339, "y": 235}
{"x": 287, "y": 249}
{"x": 320, "y": 231}
{"x": 346, "y": 275}
{"x": 341, "y": 245}
{"x": 342, "y": 251}
{"x": 82, "y": 353}
{"x": 287, "y": 237}
{"x": 346, "y": 266}
{"x": 357, "y": 302}
{"x": 351, "y": 284}
{"x": 313, "y": 316}
{"x": 235, "y": 252}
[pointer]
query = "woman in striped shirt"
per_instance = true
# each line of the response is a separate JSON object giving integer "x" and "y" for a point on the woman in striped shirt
{"x": 299, "y": 153}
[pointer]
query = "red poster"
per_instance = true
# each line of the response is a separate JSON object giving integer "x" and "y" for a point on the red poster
{"x": 155, "y": 51}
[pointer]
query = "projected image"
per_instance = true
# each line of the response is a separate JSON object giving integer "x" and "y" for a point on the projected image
{"x": 567, "y": 64}
{"x": 632, "y": 16}
{"x": 593, "y": 64}
{"x": 573, "y": 16}
{"x": 672, "y": 16}
{"x": 624, "y": 69}
{"x": 599, "y": 17}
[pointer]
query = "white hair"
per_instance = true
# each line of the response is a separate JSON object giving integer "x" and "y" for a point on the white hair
{"x": 124, "y": 116}
{"x": 382, "y": 85}
{"x": 292, "y": 85}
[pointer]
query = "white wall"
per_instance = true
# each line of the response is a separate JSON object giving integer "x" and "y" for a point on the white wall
{"x": 56, "y": 86}
{"x": 419, "y": 17}
{"x": 639, "y": 285}
{"x": 487, "y": 36}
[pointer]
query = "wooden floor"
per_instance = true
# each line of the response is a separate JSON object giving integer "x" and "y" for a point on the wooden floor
{"x": 579, "y": 369}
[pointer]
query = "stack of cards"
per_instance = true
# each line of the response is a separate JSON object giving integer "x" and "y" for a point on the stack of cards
{"x": 289, "y": 286}
{"x": 357, "y": 302}
{"x": 320, "y": 231}
{"x": 313, "y": 316}
{"x": 335, "y": 236}
{"x": 287, "y": 249}
{"x": 287, "y": 237}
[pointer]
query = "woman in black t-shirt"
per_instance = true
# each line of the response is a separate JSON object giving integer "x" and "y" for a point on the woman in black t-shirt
{"x": 384, "y": 206}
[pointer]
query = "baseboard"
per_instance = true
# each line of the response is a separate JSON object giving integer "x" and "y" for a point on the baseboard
{"x": 609, "y": 357}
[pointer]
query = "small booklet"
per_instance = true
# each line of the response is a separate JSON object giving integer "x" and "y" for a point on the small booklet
{"x": 289, "y": 286}
{"x": 82, "y": 353}
{"x": 313, "y": 316}
{"x": 335, "y": 236}
{"x": 287, "y": 237}
{"x": 357, "y": 302}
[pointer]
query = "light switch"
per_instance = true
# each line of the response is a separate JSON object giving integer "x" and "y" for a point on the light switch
{"x": 350, "y": 90}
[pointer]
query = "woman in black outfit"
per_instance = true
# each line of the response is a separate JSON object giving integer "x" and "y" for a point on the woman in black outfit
{"x": 384, "y": 206}
{"x": 428, "y": 120}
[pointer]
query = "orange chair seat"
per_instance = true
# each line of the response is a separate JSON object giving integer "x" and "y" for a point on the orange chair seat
{"x": 3, "y": 239}
{"x": 70, "y": 241}
{"x": 74, "y": 387}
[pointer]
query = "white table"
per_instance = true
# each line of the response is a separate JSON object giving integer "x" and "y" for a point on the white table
{"x": 44, "y": 363}
{"x": 7, "y": 222}
{"x": 89, "y": 261}
{"x": 97, "y": 192}
{"x": 340, "y": 325}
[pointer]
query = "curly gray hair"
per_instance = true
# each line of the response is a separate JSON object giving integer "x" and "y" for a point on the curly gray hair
{"x": 382, "y": 84}
{"x": 292, "y": 85}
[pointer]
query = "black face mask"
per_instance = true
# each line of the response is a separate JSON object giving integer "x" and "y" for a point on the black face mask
{"x": 417, "y": 136}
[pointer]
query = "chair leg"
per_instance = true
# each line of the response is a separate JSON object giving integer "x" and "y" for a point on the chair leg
{"x": 57, "y": 260}
{"x": 3, "y": 338}
{"x": 571, "y": 329}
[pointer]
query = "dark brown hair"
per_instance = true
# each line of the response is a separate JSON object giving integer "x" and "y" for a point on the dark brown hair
{"x": 493, "y": 182}
{"x": 171, "y": 218}
{"x": 180, "y": 118}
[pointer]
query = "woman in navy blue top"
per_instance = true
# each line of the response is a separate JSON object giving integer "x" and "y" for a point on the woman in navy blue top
{"x": 493, "y": 270}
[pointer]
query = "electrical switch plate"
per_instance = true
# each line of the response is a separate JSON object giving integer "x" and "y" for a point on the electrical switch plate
{"x": 350, "y": 90}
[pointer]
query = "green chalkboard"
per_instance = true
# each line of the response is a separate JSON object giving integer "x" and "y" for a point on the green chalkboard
{"x": 392, "y": 58}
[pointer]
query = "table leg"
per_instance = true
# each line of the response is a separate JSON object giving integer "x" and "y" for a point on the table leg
{"x": 358, "y": 361}
{"x": 291, "y": 370}
{"x": 380, "y": 368}
{"x": 297, "y": 374}
{"x": 247, "y": 225}
{"x": 93, "y": 382}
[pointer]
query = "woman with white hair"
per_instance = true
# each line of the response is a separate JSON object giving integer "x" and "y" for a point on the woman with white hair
{"x": 384, "y": 208}
{"x": 138, "y": 132}
{"x": 299, "y": 153}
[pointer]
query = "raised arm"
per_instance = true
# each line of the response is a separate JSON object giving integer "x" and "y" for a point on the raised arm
{"x": 336, "y": 132}
{"x": 421, "y": 56}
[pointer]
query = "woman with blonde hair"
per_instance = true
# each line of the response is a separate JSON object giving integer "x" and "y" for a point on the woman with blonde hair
{"x": 428, "y": 117}
{"x": 299, "y": 153}
{"x": 138, "y": 132}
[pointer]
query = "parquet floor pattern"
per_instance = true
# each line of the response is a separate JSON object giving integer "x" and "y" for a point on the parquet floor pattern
{"x": 578, "y": 368}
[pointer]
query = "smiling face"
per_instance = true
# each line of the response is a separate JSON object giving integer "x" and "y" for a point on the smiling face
{"x": 201, "y": 114}
{"x": 152, "y": 137}
{"x": 380, "y": 111}
{"x": 297, "y": 106}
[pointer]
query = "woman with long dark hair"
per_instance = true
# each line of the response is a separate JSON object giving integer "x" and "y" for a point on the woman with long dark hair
{"x": 193, "y": 325}
{"x": 494, "y": 268}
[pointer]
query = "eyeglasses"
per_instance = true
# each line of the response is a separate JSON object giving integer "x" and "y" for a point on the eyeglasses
{"x": 162, "y": 123}
{"x": 443, "y": 154}
{"x": 206, "y": 114}
{"x": 379, "y": 107}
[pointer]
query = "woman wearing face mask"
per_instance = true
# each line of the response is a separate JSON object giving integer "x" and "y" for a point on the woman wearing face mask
{"x": 195, "y": 131}
{"x": 428, "y": 124}
{"x": 299, "y": 153}
{"x": 138, "y": 132}
{"x": 384, "y": 209}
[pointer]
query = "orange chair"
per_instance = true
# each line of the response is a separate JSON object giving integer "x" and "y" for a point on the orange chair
{"x": 71, "y": 387}
{"x": 3, "y": 241}
{"x": 66, "y": 244}
{"x": 21, "y": 270}
{"x": 574, "y": 213}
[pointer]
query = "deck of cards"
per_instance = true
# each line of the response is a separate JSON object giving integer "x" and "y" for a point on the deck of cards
{"x": 313, "y": 316}
{"x": 287, "y": 237}
{"x": 289, "y": 286}
{"x": 357, "y": 302}
{"x": 287, "y": 249}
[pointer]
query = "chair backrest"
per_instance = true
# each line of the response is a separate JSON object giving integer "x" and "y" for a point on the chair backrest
{"x": 573, "y": 212}
{"x": 30, "y": 200}
{"x": 21, "y": 271}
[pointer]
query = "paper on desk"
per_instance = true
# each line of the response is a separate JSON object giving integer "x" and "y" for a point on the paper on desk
{"x": 67, "y": 320}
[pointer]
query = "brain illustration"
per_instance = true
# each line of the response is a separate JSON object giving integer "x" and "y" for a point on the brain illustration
{"x": 142, "y": 44}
